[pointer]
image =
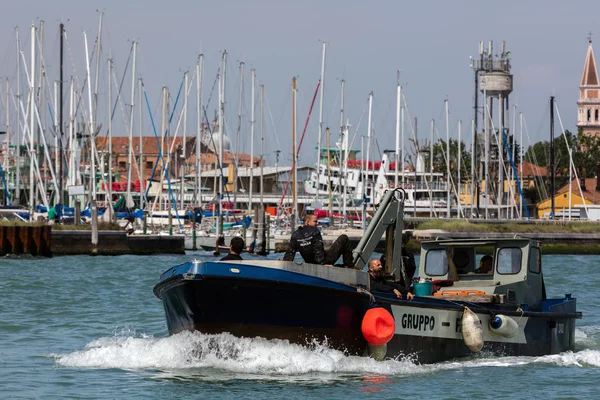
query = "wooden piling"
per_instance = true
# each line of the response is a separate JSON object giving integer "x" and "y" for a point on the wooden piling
{"x": 3, "y": 241}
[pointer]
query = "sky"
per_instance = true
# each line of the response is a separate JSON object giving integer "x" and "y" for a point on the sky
{"x": 367, "y": 43}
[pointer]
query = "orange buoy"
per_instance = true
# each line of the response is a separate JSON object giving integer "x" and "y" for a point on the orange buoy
{"x": 378, "y": 326}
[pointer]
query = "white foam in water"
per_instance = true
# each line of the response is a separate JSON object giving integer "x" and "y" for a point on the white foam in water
{"x": 226, "y": 352}
{"x": 258, "y": 357}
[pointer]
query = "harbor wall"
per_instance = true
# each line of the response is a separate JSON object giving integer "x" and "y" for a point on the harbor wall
{"x": 34, "y": 240}
{"x": 114, "y": 243}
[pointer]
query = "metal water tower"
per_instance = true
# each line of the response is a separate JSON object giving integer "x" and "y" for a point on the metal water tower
{"x": 494, "y": 80}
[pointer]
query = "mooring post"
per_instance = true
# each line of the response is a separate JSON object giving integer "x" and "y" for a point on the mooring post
{"x": 77, "y": 215}
{"x": 170, "y": 223}
{"x": 194, "y": 231}
{"x": 145, "y": 221}
{"x": 268, "y": 238}
{"x": 94, "y": 208}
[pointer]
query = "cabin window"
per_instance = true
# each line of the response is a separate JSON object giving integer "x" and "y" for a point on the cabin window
{"x": 436, "y": 262}
{"x": 535, "y": 260}
{"x": 509, "y": 261}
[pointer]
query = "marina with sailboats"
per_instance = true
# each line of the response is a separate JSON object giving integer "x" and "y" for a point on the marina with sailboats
{"x": 177, "y": 172}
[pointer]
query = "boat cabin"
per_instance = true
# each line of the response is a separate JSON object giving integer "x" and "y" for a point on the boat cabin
{"x": 515, "y": 272}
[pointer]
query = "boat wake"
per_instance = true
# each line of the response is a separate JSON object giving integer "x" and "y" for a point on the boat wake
{"x": 192, "y": 355}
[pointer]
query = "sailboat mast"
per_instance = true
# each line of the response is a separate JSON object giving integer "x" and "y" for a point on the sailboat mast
{"x": 199, "y": 74}
{"x": 32, "y": 126}
{"x": 262, "y": 143}
{"x": 239, "y": 132}
{"x": 60, "y": 115}
{"x": 521, "y": 159}
{"x": 366, "y": 178}
{"x": 431, "y": 131}
{"x": 91, "y": 123}
{"x": 448, "y": 180}
{"x": 343, "y": 179}
{"x": 321, "y": 114}
{"x": 18, "y": 130}
{"x": 130, "y": 152}
{"x": 221, "y": 139}
{"x": 141, "y": 128}
{"x": 552, "y": 179}
{"x": 294, "y": 159}
{"x": 327, "y": 138}
{"x": 184, "y": 141}
{"x": 458, "y": 159}
{"x": 253, "y": 74}
{"x": 110, "y": 153}
{"x": 7, "y": 129}
{"x": 369, "y": 131}
{"x": 98, "y": 52}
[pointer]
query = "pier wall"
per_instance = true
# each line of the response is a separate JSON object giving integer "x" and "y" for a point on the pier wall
{"x": 34, "y": 240}
{"x": 114, "y": 243}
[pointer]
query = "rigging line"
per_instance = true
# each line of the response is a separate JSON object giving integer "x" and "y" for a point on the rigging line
{"x": 219, "y": 167}
{"x": 445, "y": 158}
{"x": 160, "y": 155}
{"x": 120, "y": 87}
{"x": 540, "y": 187}
{"x": 362, "y": 114}
{"x": 417, "y": 150}
{"x": 571, "y": 163}
{"x": 212, "y": 89}
{"x": 272, "y": 121}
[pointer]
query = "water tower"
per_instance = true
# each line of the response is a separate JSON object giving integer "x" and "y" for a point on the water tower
{"x": 494, "y": 80}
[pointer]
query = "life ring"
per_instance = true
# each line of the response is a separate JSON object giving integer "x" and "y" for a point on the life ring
{"x": 458, "y": 293}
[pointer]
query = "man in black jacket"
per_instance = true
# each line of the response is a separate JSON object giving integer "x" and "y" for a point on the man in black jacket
{"x": 308, "y": 241}
{"x": 378, "y": 283}
{"x": 235, "y": 248}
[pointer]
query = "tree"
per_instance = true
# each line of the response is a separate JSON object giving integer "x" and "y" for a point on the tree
{"x": 439, "y": 159}
{"x": 585, "y": 150}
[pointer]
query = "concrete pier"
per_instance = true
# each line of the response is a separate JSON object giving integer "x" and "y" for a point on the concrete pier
{"x": 114, "y": 243}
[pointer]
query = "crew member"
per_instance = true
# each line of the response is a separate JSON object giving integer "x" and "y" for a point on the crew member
{"x": 378, "y": 282}
{"x": 235, "y": 248}
{"x": 308, "y": 241}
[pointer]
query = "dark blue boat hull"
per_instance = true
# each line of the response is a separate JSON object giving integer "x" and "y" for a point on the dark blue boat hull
{"x": 289, "y": 307}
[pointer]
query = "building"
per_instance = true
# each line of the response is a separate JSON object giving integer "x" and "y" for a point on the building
{"x": 588, "y": 106}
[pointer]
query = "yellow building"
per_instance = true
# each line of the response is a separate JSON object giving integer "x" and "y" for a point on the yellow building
{"x": 583, "y": 191}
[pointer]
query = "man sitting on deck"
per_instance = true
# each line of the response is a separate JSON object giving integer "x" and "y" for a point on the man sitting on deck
{"x": 235, "y": 248}
{"x": 308, "y": 241}
{"x": 378, "y": 282}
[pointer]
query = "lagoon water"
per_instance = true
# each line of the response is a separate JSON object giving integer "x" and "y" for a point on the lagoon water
{"x": 90, "y": 327}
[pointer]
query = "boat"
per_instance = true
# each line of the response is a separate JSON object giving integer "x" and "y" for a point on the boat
{"x": 456, "y": 312}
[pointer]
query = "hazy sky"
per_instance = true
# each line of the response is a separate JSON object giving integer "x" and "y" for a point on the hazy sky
{"x": 430, "y": 41}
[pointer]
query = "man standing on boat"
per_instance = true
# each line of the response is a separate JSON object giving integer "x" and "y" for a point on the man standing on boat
{"x": 378, "y": 282}
{"x": 308, "y": 241}
{"x": 235, "y": 248}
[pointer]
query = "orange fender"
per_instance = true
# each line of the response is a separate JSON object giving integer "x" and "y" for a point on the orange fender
{"x": 378, "y": 326}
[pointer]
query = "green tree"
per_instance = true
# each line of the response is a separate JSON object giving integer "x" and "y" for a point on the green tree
{"x": 439, "y": 159}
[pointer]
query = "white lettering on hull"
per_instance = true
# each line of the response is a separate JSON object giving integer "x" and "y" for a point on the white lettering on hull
{"x": 430, "y": 322}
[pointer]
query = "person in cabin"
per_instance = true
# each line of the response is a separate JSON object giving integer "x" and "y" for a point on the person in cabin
{"x": 485, "y": 265}
{"x": 307, "y": 240}
{"x": 235, "y": 248}
{"x": 378, "y": 283}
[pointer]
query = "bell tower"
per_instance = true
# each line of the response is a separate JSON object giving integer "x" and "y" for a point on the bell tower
{"x": 588, "y": 106}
